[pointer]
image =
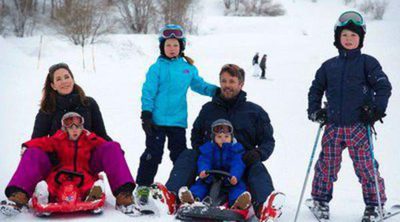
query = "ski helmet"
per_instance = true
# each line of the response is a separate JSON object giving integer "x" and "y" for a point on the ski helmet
{"x": 352, "y": 21}
{"x": 172, "y": 31}
{"x": 72, "y": 118}
{"x": 221, "y": 126}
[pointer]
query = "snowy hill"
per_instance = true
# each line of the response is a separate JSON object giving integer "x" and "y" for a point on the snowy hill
{"x": 296, "y": 43}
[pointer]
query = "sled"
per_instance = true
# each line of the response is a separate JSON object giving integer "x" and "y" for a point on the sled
{"x": 68, "y": 197}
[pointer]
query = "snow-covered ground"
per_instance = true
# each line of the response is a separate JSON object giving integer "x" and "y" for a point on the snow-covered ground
{"x": 296, "y": 44}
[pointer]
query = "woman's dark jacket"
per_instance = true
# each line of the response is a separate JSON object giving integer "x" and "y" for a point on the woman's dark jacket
{"x": 47, "y": 124}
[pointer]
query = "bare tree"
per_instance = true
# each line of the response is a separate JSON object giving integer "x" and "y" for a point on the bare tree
{"x": 178, "y": 12}
{"x": 137, "y": 14}
{"x": 23, "y": 17}
{"x": 4, "y": 11}
{"x": 256, "y": 8}
{"x": 376, "y": 8}
{"x": 82, "y": 21}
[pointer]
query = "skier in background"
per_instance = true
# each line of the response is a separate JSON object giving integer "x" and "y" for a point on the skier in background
{"x": 357, "y": 91}
{"x": 263, "y": 66}
{"x": 256, "y": 67}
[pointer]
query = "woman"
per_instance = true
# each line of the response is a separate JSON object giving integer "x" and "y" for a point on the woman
{"x": 62, "y": 95}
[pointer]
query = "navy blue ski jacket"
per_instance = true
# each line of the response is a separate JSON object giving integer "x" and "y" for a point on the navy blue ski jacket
{"x": 349, "y": 81}
{"x": 252, "y": 126}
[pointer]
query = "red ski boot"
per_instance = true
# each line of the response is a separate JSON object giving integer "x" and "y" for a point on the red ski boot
{"x": 271, "y": 209}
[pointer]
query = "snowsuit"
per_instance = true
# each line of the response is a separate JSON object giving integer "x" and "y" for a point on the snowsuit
{"x": 164, "y": 95}
{"x": 227, "y": 158}
{"x": 349, "y": 81}
{"x": 88, "y": 155}
{"x": 263, "y": 66}
{"x": 252, "y": 129}
{"x": 48, "y": 123}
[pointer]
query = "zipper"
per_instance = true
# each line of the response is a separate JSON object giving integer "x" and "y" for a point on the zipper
{"x": 341, "y": 86}
{"x": 75, "y": 155}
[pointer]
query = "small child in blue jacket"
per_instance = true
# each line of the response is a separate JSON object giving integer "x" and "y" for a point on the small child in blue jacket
{"x": 221, "y": 153}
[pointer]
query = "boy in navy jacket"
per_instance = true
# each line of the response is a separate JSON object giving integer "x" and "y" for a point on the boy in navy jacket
{"x": 357, "y": 92}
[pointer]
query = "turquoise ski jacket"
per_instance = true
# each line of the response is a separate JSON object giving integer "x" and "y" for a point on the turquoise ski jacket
{"x": 164, "y": 91}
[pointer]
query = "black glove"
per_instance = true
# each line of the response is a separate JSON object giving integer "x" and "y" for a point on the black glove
{"x": 370, "y": 114}
{"x": 251, "y": 157}
{"x": 147, "y": 122}
{"x": 319, "y": 116}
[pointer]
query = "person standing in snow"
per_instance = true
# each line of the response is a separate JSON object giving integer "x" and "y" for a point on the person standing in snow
{"x": 223, "y": 152}
{"x": 164, "y": 105}
{"x": 255, "y": 59}
{"x": 357, "y": 92}
{"x": 263, "y": 66}
{"x": 61, "y": 94}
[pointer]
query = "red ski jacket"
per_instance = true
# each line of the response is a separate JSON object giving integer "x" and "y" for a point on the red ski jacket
{"x": 73, "y": 155}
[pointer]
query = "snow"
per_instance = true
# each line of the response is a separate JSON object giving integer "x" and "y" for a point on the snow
{"x": 296, "y": 44}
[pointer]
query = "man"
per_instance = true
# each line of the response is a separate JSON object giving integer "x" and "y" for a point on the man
{"x": 252, "y": 129}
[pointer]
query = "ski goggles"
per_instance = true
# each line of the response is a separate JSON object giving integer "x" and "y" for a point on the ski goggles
{"x": 72, "y": 120}
{"x": 351, "y": 16}
{"x": 222, "y": 129}
{"x": 172, "y": 33}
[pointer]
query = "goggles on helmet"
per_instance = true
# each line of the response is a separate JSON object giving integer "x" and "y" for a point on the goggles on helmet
{"x": 172, "y": 31}
{"x": 71, "y": 119}
{"x": 350, "y": 16}
{"x": 222, "y": 129}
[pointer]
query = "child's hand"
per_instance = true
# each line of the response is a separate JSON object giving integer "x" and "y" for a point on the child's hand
{"x": 233, "y": 180}
{"x": 203, "y": 174}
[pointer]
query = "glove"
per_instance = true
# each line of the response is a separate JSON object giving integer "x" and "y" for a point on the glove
{"x": 147, "y": 122}
{"x": 319, "y": 116}
{"x": 370, "y": 114}
{"x": 251, "y": 157}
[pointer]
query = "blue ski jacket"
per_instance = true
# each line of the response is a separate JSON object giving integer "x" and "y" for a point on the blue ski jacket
{"x": 227, "y": 158}
{"x": 349, "y": 81}
{"x": 164, "y": 91}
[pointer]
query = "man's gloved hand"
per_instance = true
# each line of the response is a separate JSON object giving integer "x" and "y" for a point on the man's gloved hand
{"x": 319, "y": 116}
{"x": 370, "y": 114}
{"x": 251, "y": 156}
{"x": 147, "y": 122}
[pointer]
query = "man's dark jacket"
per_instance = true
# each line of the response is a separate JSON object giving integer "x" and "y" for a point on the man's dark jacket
{"x": 252, "y": 127}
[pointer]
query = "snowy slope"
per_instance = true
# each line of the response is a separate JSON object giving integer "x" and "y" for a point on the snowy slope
{"x": 296, "y": 44}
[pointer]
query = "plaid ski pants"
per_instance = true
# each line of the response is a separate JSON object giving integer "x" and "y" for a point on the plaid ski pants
{"x": 334, "y": 141}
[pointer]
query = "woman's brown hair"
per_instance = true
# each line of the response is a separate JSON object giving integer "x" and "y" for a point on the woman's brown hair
{"x": 49, "y": 95}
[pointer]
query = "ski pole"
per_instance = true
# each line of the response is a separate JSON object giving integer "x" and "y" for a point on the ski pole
{"x": 371, "y": 150}
{"x": 308, "y": 171}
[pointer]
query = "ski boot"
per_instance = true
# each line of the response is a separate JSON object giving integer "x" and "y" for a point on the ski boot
{"x": 243, "y": 201}
{"x": 126, "y": 204}
{"x": 146, "y": 204}
{"x": 320, "y": 209}
{"x": 96, "y": 193}
{"x": 371, "y": 214}
{"x": 185, "y": 196}
{"x": 15, "y": 204}
{"x": 271, "y": 209}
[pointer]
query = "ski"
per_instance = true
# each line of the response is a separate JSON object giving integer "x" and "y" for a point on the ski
{"x": 394, "y": 210}
{"x": 310, "y": 206}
